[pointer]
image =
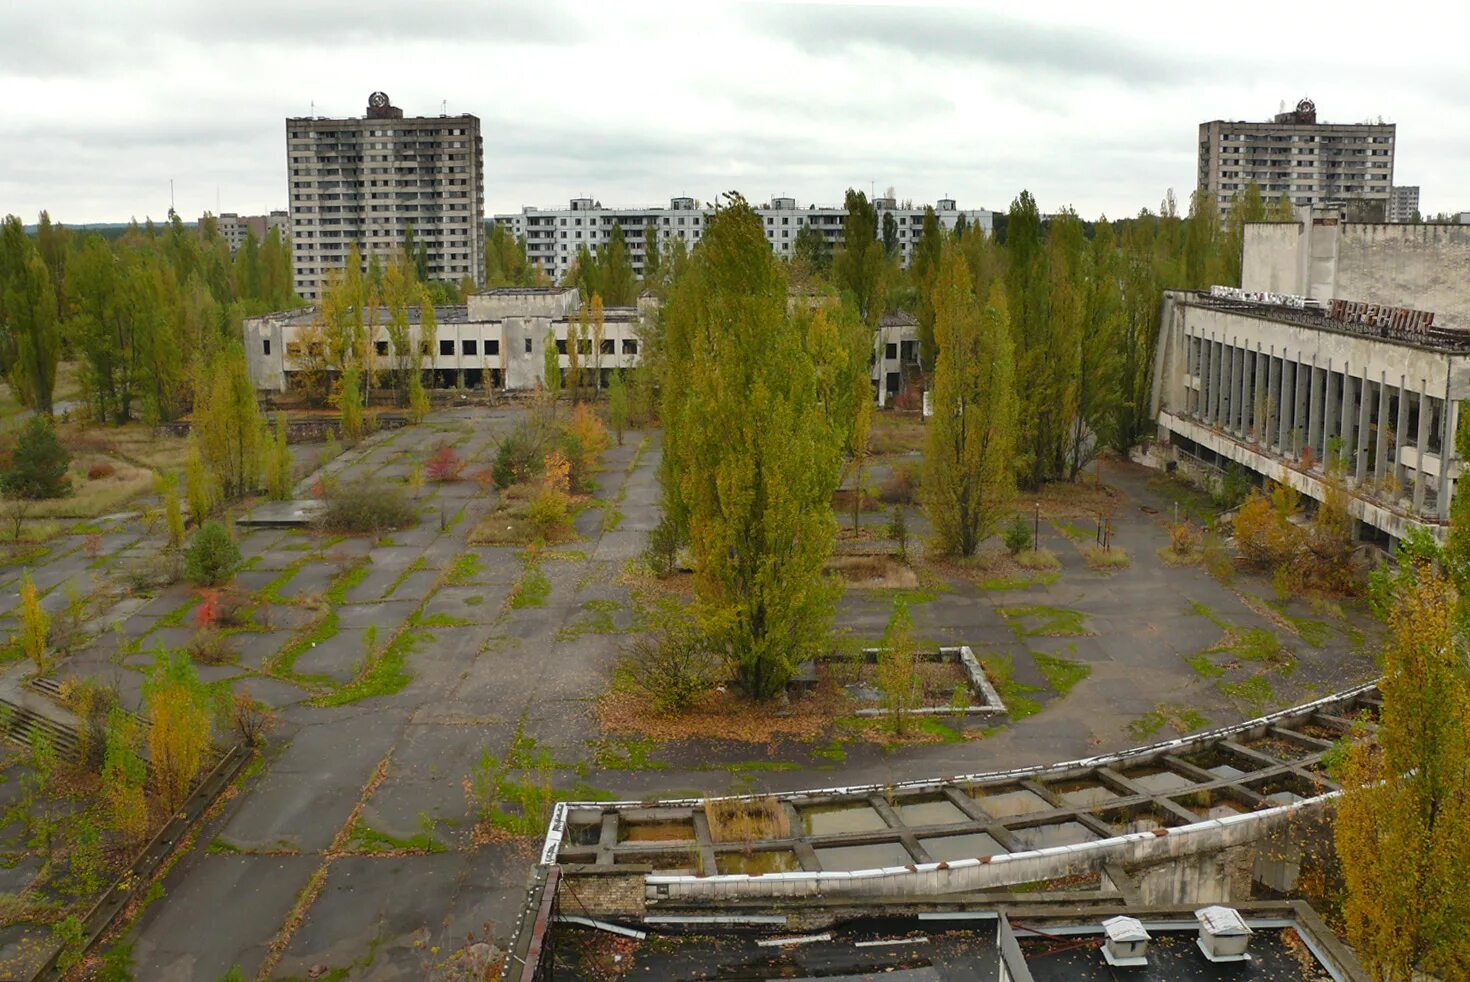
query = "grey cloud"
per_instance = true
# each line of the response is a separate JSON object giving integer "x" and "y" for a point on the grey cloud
{"x": 972, "y": 37}
{"x": 74, "y": 38}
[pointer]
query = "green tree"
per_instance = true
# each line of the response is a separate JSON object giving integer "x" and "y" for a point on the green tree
{"x": 228, "y": 423}
{"x": 124, "y": 777}
{"x": 922, "y": 267}
{"x": 751, "y": 461}
{"x": 551, "y": 366}
{"x": 31, "y": 330}
{"x": 349, "y": 403}
{"x": 167, "y": 485}
{"x": 617, "y": 404}
{"x": 860, "y": 267}
{"x": 1095, "y": 352}
{"x": 278, "y": 462}
{"x": 616, "y": 283}
{"x": 200, "y": 488}
{"x": 810, "y": 250}
{"x": 1027, "y": 283}
{"x": 37, "y": 467}
{"x": 897, "y": 668}
{"x": 968, "y": 481}
{"x": 1403, "y": 824}
{"x": 212, "y": 556}
{"x": 35, "y": 624}
{"x": 890, "y": 235}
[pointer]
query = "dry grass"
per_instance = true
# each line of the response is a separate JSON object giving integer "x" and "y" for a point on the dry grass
{"x": 873, "y": 572}
{"x": 1105, "y": 559}
{"x": 746, "y": 820}
{"x": 103, "y": 496}
{"x": 720, "y": 715}
{"x": 896, "y": 434}
{"x": 1064, "y": 499}
{"x": 1038, "y": 560}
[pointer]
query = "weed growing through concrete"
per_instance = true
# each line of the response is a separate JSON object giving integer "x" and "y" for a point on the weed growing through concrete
{"x": 1061, "y": 673}
{"x": 1047, "y": 621}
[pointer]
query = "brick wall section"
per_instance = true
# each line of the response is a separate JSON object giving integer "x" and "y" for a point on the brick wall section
{"x": 601, "y": 891}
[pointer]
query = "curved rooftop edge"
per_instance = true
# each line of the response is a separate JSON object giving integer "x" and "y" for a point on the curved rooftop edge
{"x": 1016, "y": 866}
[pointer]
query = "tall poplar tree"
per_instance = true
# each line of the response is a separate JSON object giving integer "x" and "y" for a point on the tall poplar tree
{"x": 1095, "y": 352}
{"x": 859, "y": 267}
{"x": 968, "y": 478}
{"x": 228, "y": 423}
{"x": 1403, "y": 824}
{"x": 751, "y": 461}
{"x": 923, "y": 267}
{"x": 1027, "y": 304}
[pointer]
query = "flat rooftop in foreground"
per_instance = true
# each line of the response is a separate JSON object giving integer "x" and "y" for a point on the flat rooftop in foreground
{"x": 1277, "y": 954}
{"x": 982, "y": 946}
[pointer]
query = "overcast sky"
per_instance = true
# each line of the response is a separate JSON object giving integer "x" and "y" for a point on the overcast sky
{"x": 1094, "y": 105}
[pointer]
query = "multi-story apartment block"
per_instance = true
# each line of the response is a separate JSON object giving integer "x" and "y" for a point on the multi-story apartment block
{"x": 1312, "y": 163}
{"x": 1403, "y": 203}
{"x": 553, "y": 236}
{"x": 368, "y": 180}
{"x": 233, "y": 227}
{"x": 1342, "y": 363}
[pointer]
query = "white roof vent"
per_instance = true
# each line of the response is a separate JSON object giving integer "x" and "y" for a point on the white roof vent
{"x": 1127, "y": 942}
{"x": 1223, "y": 934}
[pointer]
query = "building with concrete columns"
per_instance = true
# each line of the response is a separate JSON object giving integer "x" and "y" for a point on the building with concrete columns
{"x": 1346, "y": 352}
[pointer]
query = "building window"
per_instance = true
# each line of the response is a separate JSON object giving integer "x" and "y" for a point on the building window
{"x": 469, "y": 346}
{"x": 381, "y": 347}
{"x": 609, "y": 346}
{"x": 890, "y": 351}
{"x": 266, "y": 344}
{"x": 492, "y": 346}
{"x": 446, "y": 346}
{"x": 630, "y": 347}
{"x": 561, "y": 346}
{"x": 528, "y": 346}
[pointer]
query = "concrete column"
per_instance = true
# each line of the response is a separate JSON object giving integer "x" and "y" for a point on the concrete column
{"x": 1314, "y": 411}
{"x": 1301, "y": 394}
{"x": 1243, "y": 389}
{"x": 1329, "y": 408}
{"x": 1272, "y": 422}
{"x": 1448, "y": 457}
{"x": 1217, "y": 352}
{"x": 1347, "y": 417}
{"x": 1384, "y": 431}
{"x": 1286, "y": 397}
{"x": 1227, "y": 379}
{"x": 1401, "y": 432}
{"x": 1419, "y": 450}
{"x": 1260, "y": 401}
{"x": 1360, "y": 438}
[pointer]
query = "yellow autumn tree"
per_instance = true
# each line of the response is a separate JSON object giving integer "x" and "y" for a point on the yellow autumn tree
{"x": 35, "y": 624}
{"x": 182, "y": 725}
{"x": 1403, "y": 824}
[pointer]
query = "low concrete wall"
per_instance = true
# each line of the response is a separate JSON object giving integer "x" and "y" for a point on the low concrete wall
{"x": 966, "y": 875}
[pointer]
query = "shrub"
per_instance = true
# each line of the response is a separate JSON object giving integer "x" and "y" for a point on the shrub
{"x": 518, "y": 458}
{"x": 549, "y": 514}
{"x": 580, "y": 462}
{"x": 366, "y": 506}
{"x": 588, "y": 430}
{"x": 212, "y": 556}
{"x": 444, "y": 465}
{"x": 153, "y": 571}
{"x": 249, "y": 717}
{"x": 672, "y": 664}
{"x": 1018, "y": 535}
{"x": 38, "y": 464}
{"x": 898, "y": 531}
{"x": 98, "y": 471}
{"x": 210, "y": 646}
{"x": 1184, "y": 538}
{"x": 901, "y": 485}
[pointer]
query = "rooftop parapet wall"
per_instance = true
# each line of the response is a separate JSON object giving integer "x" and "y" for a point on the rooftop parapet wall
{"x": 1423, "y": 267}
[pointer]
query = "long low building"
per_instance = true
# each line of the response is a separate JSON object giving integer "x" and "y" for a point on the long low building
{"x": 1343, "y": 359}
{"x": 495, "y": 341}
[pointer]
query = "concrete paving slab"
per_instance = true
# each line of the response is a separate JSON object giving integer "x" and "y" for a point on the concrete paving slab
{"x": 219, "y": 911}
{"x": 338, "y": 656}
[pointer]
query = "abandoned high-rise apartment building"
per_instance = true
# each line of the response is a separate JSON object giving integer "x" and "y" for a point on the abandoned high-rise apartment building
{"x": 1343, "y": 359}
{"x": 372, "y": 179}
